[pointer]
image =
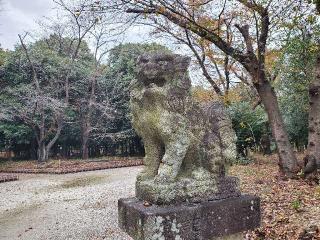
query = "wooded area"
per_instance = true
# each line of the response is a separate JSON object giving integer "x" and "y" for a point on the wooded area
{"x": 66, "y": 93}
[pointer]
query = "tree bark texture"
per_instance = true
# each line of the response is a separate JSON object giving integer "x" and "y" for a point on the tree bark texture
{"x": 85, "y": 138}
{"x": 287, "y": 160}
{"x": 312, "y": 158}
{"x": 42, "y": 153}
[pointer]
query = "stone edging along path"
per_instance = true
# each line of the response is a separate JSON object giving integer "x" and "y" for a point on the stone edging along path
{"x": 8, "y": 178}
{"x": 105, "y": 165}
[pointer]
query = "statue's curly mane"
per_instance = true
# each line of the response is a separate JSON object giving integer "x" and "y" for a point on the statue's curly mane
{"x": 167, "y": 71}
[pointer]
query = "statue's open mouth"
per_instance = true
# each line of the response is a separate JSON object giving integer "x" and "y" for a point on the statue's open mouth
{"x": 159, "y": 82}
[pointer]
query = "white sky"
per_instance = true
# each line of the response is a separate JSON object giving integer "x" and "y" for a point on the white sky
{"x": 19, "y": 16}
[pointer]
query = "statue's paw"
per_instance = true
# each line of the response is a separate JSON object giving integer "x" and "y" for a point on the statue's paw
{"x": 164, "y": 178}
{"x": 143, "y": 176}
{"x": 201, "y": 174}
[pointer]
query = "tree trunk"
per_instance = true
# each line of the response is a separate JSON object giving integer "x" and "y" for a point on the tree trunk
{"x": 287, "y": 160}
{"x": 33, "y": 150}
{"x": 312, "y": 158}
{"x": 41, "y": 152}
{"x": 41, "y": 140}
{"x": 85, "y": 139}
{"x": 85, "y": 149}
{"x": 265, "y": 144}
{"x": 53, "y": 140}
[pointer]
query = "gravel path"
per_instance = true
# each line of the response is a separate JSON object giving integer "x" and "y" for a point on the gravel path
{"x": 81, "y": 206}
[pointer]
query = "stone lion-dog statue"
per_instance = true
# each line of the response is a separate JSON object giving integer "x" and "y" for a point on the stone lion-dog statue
{"x": 188, "y": 145}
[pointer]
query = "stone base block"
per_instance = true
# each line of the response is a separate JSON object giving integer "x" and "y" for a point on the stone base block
{"x": 202, "y": 221}
{"x": 188, "y": 190}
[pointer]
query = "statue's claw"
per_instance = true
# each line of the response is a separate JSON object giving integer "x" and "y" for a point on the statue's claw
{"x": 165, "y": 175}
{"x": 144, "y": 175}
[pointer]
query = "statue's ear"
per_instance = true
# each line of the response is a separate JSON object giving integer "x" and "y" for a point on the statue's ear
{"x": 139, "y": 62}
{"x": 187, "y": 60}
{"x": 182, "y": 62}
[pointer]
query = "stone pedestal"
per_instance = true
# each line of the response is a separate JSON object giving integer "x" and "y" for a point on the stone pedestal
{"x": 188, "y": 190}
{"x": 189, "y": 221}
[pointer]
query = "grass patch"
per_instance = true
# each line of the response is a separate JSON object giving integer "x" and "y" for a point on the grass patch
{"x": 4, "y": 164}
{"x": 17, "y": 212}
{"x": 82, "y": 182}
{"x": 64, "y": 164}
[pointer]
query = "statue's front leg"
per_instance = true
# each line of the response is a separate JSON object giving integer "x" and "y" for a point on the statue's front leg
{"x": 215, "y": 158}
{"x": 151, "y": 160}
{"x": 175, "y": 152}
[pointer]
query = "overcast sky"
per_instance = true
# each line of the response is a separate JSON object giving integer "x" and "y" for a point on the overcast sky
{"x": 18, "y": 16}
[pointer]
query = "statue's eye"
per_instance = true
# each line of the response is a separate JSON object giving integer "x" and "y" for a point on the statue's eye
{"x": 162, "y": 60}
{"x": 143, "y": 60}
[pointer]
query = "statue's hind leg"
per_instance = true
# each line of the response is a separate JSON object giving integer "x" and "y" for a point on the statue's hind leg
{"x": 215, "y": 158}
{"x": 151, "y": 161}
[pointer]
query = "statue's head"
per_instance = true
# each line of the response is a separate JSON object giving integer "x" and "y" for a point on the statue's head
{"x": 163, "y": 68}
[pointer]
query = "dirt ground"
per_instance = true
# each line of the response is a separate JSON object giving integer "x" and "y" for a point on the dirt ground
{"x": 290, "y": 208}
{"x": 84, "y": 205}
{"x": 65, "y": 207}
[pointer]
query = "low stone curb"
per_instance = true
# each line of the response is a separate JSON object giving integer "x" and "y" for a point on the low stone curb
{"x": 8, "y": 178}
{"x": 109, "y": 165}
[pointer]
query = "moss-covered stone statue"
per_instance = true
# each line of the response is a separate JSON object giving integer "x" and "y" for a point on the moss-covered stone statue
{"x": 183, "y": 191}
{"x": 188, "y": 146}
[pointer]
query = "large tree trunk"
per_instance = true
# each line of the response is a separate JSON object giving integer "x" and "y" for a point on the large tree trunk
{"x": 287, "y": 160}
{"x": 312, "y": 158}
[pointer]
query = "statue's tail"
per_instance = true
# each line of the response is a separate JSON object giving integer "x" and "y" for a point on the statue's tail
{"x": 222, "y": 124}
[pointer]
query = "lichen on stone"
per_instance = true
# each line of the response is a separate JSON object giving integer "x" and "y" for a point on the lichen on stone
{"x": 187, "y": 145}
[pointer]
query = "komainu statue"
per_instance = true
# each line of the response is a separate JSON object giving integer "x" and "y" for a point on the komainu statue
{"x": 184, "y": 191}
{"x": 188, "y": 145}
